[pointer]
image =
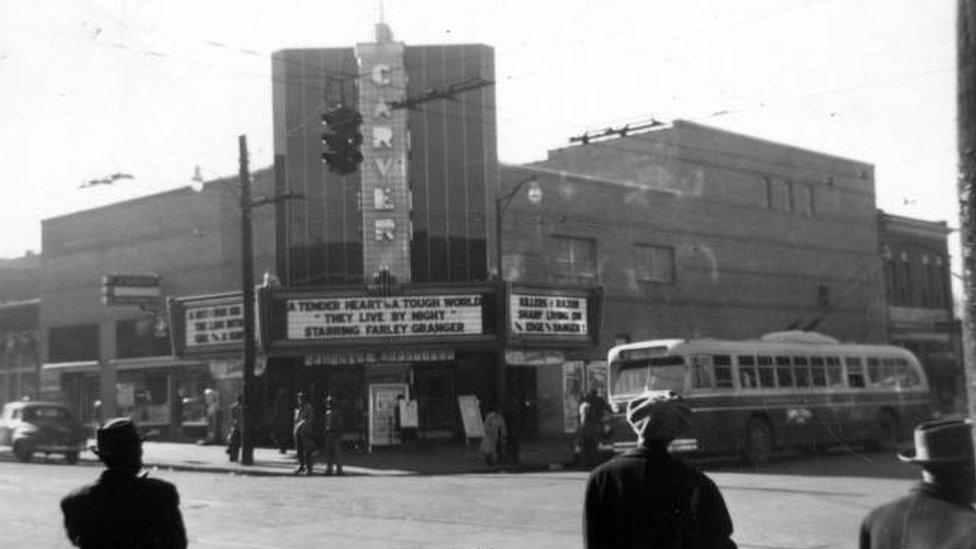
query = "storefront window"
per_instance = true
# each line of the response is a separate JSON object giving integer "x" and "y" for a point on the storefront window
{"x": 144, "y": 396}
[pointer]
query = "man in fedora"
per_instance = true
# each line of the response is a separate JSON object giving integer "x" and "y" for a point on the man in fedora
{"x": 939, "y": 511}
{"x": 646, "y": 498}
{"x": 123, "y": 509}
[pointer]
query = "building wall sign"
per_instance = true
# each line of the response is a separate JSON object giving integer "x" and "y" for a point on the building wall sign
{"x": 383, "y": 174}
{"x": 405, "y": 316}
{"x": 214, "y": 324}
{"x": 547, "y": 315}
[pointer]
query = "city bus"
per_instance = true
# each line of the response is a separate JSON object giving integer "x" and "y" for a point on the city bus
{"x": 785, "y": 390}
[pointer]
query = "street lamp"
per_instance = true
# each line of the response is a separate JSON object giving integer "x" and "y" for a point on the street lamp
{"x": 501, "y": 204}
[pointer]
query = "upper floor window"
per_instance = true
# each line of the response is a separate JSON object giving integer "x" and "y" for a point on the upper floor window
{"x": 655, "y": 264}
{"x": 73, "y": 343}
{"x": 802, "y": 198}
{"x": 141, "y": 337}
{"x": 573, "y": 259}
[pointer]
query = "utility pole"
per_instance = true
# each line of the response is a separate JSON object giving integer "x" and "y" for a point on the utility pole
{"x": 247, "y": 296}
{"x": 966, "y": 121}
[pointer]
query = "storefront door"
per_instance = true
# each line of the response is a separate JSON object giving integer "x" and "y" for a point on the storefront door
{"x": 436, "y": 402}
{"x": 520, "y": 408}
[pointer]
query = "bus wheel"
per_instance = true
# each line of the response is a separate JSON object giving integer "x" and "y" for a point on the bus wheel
{"x": 758, "y": 447}
{"x": 886, "y": 434}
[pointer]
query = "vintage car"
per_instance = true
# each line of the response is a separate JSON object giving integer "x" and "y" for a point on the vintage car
{"x": 29, "y": 427}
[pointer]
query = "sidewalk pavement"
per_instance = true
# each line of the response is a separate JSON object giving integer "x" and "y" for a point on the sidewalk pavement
{"x": 421, "y": 458}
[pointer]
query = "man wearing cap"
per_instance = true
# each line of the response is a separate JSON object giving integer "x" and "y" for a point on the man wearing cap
{"x": 123, "y": 509}
{"x": 645, "y": 497}
{"x": 939, "y": 511}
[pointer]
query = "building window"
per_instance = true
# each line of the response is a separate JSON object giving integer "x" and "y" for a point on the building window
{"x": 889, "y": 275}
{"x": 573, "y": 259}
{"x": 778, "y": 195}
{"x": 906, "y": 289}
{"x": 802, "y": 199}
{"x": 73, "y": 343}
{"x": 141, "y": 337}
{"x": 655, "y": 264}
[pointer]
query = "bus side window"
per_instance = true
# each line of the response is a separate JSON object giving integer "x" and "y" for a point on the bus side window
{"x": 701, "y": 371}
{"x": 874, "y": 371}
{"x": 784, "y": 373}
{"x": 888, "y": 372}
{"x": 747, "y": 371}
{"x": 905, "y": 373}
{"x": 801, "y": 371}
{"x": 818, "y": 377}
{"x": 722, "y": 368}
{"x": 767, "y": 377}
{"x": 855, "y": 372}
{"x": 834, "y": 377}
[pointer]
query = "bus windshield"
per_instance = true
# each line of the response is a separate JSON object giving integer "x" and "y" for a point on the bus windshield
{"x": 632, "y": 377}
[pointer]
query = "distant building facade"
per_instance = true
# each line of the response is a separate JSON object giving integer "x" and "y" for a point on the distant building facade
{"x": 122, "y": 354}
{"x": 697, "y": 232}
{"x": 918, "y": 291}
{"x": 19, "y": 329}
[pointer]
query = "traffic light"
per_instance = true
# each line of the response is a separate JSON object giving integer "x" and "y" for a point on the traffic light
{"x": 342, "y": 141}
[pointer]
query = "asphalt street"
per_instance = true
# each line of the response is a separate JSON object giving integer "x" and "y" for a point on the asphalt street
{"x": 792, "y": 504}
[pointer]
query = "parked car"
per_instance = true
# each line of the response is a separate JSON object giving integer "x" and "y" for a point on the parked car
{"x": 29, "y": 427}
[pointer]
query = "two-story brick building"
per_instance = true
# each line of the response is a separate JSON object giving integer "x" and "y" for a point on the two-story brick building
{"x": 122, "y": 354}
{"x": 920, "y": 313}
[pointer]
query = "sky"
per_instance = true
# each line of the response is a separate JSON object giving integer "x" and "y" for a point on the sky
{"x": 89, "y": 88}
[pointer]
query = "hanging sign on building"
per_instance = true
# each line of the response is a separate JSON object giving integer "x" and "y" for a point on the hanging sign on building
{"x": 547, "y": 315}
{"x": 403, "y": 316}
{"x": 214, "y": 324}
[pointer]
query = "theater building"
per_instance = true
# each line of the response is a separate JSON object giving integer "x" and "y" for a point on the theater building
{"x": 385, "y": 288}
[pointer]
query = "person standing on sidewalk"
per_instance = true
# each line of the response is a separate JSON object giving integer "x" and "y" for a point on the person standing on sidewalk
{"x": 304, "y": 436}
{"x": 495, "y": 433}
{"x": 591, "y": 412}
{"x": 123, "y": 509}
{"x": 281, "y": 421}
{"x": 332, "y": 427}
{"x": 939, "y": 511}
{"x": 236, "y": 421}
{"x": 645, "y": 497}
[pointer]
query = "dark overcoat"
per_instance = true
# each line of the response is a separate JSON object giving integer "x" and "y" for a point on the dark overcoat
{"x": 647, "y": 498}
{"x": 123, "y": 510}
{"x": 929, "y": 517}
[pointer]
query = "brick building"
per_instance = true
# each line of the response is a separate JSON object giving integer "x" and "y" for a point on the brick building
{"x": 122, "y": 355}
{"x": 698, "y": 232}
{"x": 918, "y": 290}
{"x": 19, "y": 333}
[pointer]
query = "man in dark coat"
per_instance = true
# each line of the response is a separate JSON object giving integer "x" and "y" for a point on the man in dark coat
{"x": 332, "y": 427}
{"x": 939, "y": 511}
{"x": 646, "y": 498}
{"x": 123, "y": 509}
{"x": 304, "y": 436}
{"x": 235, "y": 438}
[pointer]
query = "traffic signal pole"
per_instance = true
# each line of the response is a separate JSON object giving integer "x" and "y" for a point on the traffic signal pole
{"x": 247, "y": 296}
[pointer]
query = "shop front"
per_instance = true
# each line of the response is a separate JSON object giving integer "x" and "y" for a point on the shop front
{"x": 394, "y": 361}
{"x": 401, "y": 362}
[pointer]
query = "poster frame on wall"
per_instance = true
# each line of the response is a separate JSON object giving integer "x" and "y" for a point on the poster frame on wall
{"x": 375, "y": 416}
